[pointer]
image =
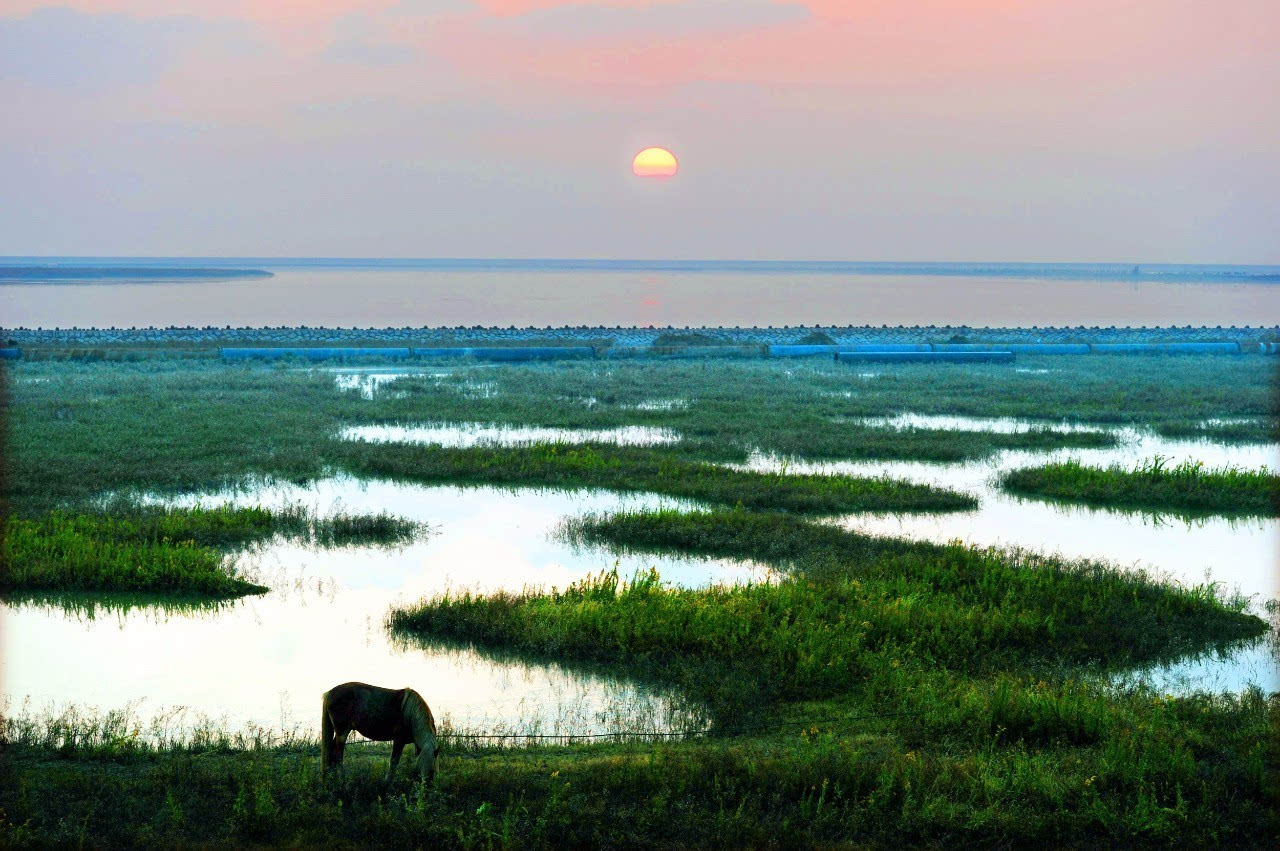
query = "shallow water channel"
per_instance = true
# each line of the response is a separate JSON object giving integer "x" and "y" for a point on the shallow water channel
{"x": 264, "y": 660}
{"x": 1241, "y": 554}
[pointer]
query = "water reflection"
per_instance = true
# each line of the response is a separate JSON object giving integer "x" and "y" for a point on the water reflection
{"x": 462, "y": 435}
{"x": 87, "y": 607}
{"x": 264, "y": 660}
{"x": 1241, "y": 554}
{"x": 368, "y": 381}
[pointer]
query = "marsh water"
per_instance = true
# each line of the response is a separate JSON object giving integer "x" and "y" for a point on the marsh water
{"x": 416, "y": 293}
{"x": 1241, "y": 554}
{"x": 264, "y": 660}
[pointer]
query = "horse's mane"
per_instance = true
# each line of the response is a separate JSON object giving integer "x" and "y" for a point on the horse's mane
{"x": 416, "y": 711}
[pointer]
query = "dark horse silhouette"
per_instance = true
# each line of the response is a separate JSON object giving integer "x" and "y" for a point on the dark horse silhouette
{"x": 399, "y": 716}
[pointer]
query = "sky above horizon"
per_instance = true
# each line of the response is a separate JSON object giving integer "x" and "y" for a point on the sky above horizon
{"x": 1018, "y": 130}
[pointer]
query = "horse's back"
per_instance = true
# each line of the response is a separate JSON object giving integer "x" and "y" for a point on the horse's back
{"x": 372, "y": 711}
{"x": 347, "y": 689}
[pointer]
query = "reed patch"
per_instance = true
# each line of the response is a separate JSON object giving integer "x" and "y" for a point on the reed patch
{"x": 1154, "y": 485}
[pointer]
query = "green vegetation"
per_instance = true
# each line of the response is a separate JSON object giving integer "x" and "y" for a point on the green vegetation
{"x": 857, "y": 603}
{"x": 630, "y": 469}
{"x": 70, "y": 552}
{"x": 695, "y": 338}
{"x": 73, "y": 427}
{"x": 886, "y": 691}
{"x": 135, "y": 547}
{"x": 1244, "y": 431}
{"x": 795, "y": 407}
{"x": 1153, "y": 485}
{"x": 878, "y": 692}
{"x": 1149, "y": 771}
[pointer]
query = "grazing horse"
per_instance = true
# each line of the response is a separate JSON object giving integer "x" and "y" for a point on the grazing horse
{"x": 399, "y": 716}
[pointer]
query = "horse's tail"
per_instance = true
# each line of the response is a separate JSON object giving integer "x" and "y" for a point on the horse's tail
{"x": 326, "y": 732}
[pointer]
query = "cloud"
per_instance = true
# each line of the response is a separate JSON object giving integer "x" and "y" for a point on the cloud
{"x": 668, "y": 20}
{"x": 70, "y": 50}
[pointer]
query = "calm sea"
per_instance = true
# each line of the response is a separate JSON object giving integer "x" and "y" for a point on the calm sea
{"x": 62, "y": 292}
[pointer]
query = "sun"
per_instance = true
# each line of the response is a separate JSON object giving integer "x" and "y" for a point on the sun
{"x": 654, "y": 162}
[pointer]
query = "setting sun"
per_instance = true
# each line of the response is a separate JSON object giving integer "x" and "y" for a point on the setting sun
{"x": 654, "y": 162}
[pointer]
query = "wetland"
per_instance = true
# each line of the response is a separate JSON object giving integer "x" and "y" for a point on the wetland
{"x": 811, "y": 583}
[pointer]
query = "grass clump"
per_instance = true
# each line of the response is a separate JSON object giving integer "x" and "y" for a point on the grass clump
{"x": 73, "y": 427}
{"x": 1244, "y": 431}
{"x": 340, "y": 530}
{"x": 1186, "y": 488}
{"x": 966, "y": 607}
{"x": 884, "y": 690}
{"x": 868, "y": 785}
{"x": 623, "y": 468}
{"x": 89, "y": 553}
{"x": 156, "y": 549}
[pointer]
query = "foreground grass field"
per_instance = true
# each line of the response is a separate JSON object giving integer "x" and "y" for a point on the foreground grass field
{"x": 880, "y": 693}
{"x": 883, "y": 693}
{"x": 1196, "y": 771}
{"x": 1154, "y": 485}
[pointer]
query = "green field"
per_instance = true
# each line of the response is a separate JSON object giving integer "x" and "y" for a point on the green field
{"x": 876, "y": 692}
{"x": 1154, "y": 485}
{"x": 76, "y": 427}
{"x": 131, "y": 547}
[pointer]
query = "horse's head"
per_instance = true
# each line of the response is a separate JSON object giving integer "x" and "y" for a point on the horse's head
{"x": 427, "y": 764}
{"x": 417, "y": 716}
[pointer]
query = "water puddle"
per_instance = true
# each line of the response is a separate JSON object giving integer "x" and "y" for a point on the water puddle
{"x": 662, "y": 405}
{"x": 947, "y": 422}
{"x": 369, "y": 380}
{"x": 463, "y": 435}
{"x": 1241, "y": 554}
{"x": 265, "y": 660}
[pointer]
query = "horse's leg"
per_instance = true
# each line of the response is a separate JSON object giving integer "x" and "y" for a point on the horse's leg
{"x": 340, "y": 746}
{"x": 326, "y": 738}
{"x": 396, "y": 749}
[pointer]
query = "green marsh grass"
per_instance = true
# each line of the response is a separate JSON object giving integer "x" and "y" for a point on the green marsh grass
{"x": 130, "y": 546}
{"x": 1190, "y": 771}
{"x": 881, "y": 694}
{"x": 1155, "y": 485}
{"x": 851, "y": 600}
{"x": 86, "y": 553}
{"x": 622, "y": 468}
{"x": 74, "y": 427}
{"x": 945, "y": 679}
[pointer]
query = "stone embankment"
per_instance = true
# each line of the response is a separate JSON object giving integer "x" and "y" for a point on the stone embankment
{"x": 619, "y": 336}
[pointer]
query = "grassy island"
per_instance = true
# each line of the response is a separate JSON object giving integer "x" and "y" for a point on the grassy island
{"x": 1155, "y": 486}
{"x": 156, "y": 549}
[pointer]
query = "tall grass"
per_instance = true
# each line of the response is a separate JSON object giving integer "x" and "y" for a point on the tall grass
{"x": 937, "y": 683}
{"x": 136, "y": 547}
{"x": 75, "y": 433}
{"x": 855, "y": 599}
{"x": 1153, "y": 484}
{"x": 624, "y": 468}
{"x": 1155, "y": 772}
{"x": 87, "y": 553}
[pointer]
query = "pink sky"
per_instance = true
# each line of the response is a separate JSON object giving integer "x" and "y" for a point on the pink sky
{"x": 937, "y": 129}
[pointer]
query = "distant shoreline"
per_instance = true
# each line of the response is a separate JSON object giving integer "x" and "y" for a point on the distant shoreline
{"x": 56, "y": 269}
{"x": 210, "y": 336}
{"x": 69, "y": 274}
